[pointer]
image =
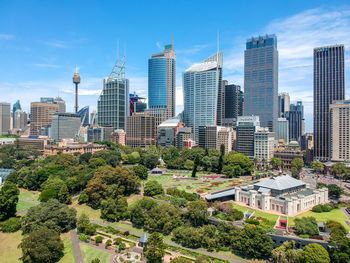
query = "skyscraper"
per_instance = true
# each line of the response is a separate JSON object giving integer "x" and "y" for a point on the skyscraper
{"x": 61, "y": 104}
{"x": 137, "y": 104}
{"x": 295, "y": 121}
{"x": 261, "y": 80}
{"x": 113, "y": 103}
{"x": 161, "y": 84}
{"x": 5, "y": 117}
{"x": 329, "y": 85}
{"x": 283, "y": 130}
{"x": 20, "y": 119}
{"x": 233, "y": 101}
{"x": 16, "y": 106}
{"x": 245, "y": 133}
{"x": 65, "y": 126}
{"x": 41, "y": 116}
{"x": 84, "y": 115}
{"x": 201, "y": 93}
{"x": 141, "y": 130}
{"x": 283, "y": 104}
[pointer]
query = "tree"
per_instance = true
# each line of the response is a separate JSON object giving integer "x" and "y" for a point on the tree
{"x": 133, "y": 158}
{"x": 84, "y": 225}
{"x": 197, "y": 213}
{"x": 189, "y": 164}
{"x": 233, "y": 170}
{"x": 83, "y": 197}
{"x": 221, "y": 158}
{"x": 295, "y": 173}
{"x": 84, "y": 158}
{"x": 306, "y": 226}
{"x": 8, "y": 200}
{"x": 317, "y": 166}
{"x": 153, "y": 188}
{"x": 64, "y": 196}
{"x": 141, "y": 172}
{"x": 313, "y": 253}
{"x": 42, "y": 246}
{"x": 253, "y": 241}
{"x": 54, "y": 183}
{"x": 51, "y": 214}
{"x": 334, "y": 190}
{"x": 339, "y": 169}
{"x": 151, "y": 160}
{"x": 47, "y": 194}
{"x": 297, "y": 163}
{"x": 11, "y": 225}
{"x": 286, "y": 253}
{"x": 195, "y": 166}
{"x": 139, "y": 210}
{"x": 96, "y": 162}
{"x": 114, "y": 210}
{"x": 155, "y": 248}
{"x": 275, "y": 162}
{"x": 233, "y": 160}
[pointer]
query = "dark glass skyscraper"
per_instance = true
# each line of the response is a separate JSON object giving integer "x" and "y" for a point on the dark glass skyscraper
{"x": 261, "y": 80}
{"x": 329, "y": 85}
{"x": 295, "y": 124}
{"x": 233, "y": 101}
{"x": 161, "y": 84}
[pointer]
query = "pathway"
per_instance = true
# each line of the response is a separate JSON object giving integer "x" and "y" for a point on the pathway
{"x": 347, "y": 222}
{"x": 177, "y": 245}
{"x": 29, "y": 201}
{"x": 75, "y": 242}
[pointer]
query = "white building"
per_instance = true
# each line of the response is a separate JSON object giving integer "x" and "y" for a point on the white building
{"x": 264, "y": 141}
{"x": 283, "y": 194}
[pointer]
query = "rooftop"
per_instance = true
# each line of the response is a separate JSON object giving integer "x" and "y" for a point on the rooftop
{"x": 220, "y": 194}
{"x": 282, "y": 182}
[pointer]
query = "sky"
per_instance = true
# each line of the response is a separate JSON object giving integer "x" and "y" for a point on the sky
{"x": 42, "y": 42}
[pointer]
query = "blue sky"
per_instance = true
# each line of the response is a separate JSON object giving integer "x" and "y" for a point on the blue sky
{"x": 41, "y": 42}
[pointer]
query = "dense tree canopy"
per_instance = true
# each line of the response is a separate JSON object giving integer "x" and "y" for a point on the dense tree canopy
{"x": 197, "y": 213}
{"x": 317, "y": 166}
{"x": 155, "y": 248}
{"x": 51, "y": 214}
{"x": 297, "y": 163}
{"x": 141, "y": 172}
{"x": 8, "y": 200}
{"x": 153, "y": 188}
{"x": 313, "y": 253}
{"x": 237, "y": 164}
{"x": 306, "y": 226}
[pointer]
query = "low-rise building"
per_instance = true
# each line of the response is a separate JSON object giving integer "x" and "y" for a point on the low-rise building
{"x": 71, "y": 148}
{"x": 33, "y": 142}
{"x": 288, "y": 153}
{"x": 182, "y": 135}
{"x": 282, "y": 194}
{"x": 167, "y": 131}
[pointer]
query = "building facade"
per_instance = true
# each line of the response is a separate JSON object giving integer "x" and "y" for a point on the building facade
{"x": 5, "y": 117}
{"x": 182, "y": 135}
{"x": 65, "y": 126}
{"x": 15, "y": 106}
{"x": 261, "y": 80}
{"x": 295, "y": 122}
{"x": 233, "y": 101}
{"x": 245, "y": 131}
{"x": 61, "y": 104}
{"x": 264, "y": 143}
{"x": 84, "y": 115}
{"x": 283, "y": 130}
{"x": 20, "y": 120}
{"x": 283, "y": 104}
{"x": 162, "y": 84}
{"x": 137, "y": 104}
{"x": 282, "y": 194}
{"x": 340, "y": 131}
{"x": 167, "y": 132}
{"x": 287, "y": 153}
{"x": 329, "y": 85}
{"x": 119, "y": 136}
{"x": 141, "y": 130}
{"x": 41, "y": 116}
{"x": 202, "y": 92}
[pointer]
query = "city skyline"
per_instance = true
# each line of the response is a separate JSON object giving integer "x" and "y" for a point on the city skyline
{"x": 48, "y": 72}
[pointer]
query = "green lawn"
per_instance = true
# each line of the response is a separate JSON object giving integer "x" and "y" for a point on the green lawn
{"x": 93, "y": 214}
{"x": 23, "y": 205}
{"x": 270, "y": 217}
{"x": 68, "y": 249}
{"x": 29, "y": 195}
{"x": 89, "y": 253}
{"x": 335, "y": 215}
{"x": 9, "y": 251}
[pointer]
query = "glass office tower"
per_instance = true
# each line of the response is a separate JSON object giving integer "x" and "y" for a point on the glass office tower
{"x": 161, "y": 84}
{"x": 261, "y": 80}
{"x": 329, "y": 85}
{"x": 201, "y": 84}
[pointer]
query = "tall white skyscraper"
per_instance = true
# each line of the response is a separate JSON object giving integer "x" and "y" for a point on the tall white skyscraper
{"x": 5, "y": 117}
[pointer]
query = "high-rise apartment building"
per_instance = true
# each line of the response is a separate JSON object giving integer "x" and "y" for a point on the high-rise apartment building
{"x": 264, "y": 142}
{"x": 245, "y": 131}
{"x": 212, "y": 137}
{"x": 261, "y": 80}
{"x": 340, "y": 131}
{"x": 162, "y": 84}
{"x": 201, "y": 84}
{"x": 41, "y": 116}
{"x": 295, "y": 121}
{"x": 16, "y": 106}
{"x": 5, "y": 117}
{"x": 113, "y": 103}
{"x": 118, "y": 136}
{"x": 141, "y": 130}
{"x": 283, "y": 130}
{"x": 65, "y": 126}
{"x": 329, "y": 85}
{"x": 283, "y": 104}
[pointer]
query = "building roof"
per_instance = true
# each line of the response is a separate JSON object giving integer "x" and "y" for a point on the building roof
{"x": 157, "y": 170}
{"x": 5, "y": 172}
{"x": 282, "y": 182}
{"x": 220, "y": 194}
{"x": 169, "y": 123}
{"x": 211, "y": 62}
{"x": 144, "y": 238}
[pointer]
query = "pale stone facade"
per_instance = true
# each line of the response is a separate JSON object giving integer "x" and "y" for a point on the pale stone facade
{"x": 290, "y": 201}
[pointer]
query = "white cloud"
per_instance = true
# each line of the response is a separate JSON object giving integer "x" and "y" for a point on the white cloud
{"x": 56, "y": 44}
{"x": 6, "y": 36}
{"x": 159, "y": 45}
{"x": 297, "y": 36}
{"x": 47, "y": 65}
{"x": 192, "y": 50}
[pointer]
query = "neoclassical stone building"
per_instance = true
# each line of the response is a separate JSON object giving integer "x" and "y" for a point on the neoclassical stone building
{"x": 282, "y": 194}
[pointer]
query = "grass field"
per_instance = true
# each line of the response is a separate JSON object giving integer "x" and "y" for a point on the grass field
{"x": 28, "y": 195}
{"x": 68, "y": 249}
{"x": 89, "y": 253}
{"x": 93, "y": 214}
{"x": 23, "y": 205}
{"x": 335, "y": 215}
{"x": 257, "y": 213}
{"x": 9, "y": 251}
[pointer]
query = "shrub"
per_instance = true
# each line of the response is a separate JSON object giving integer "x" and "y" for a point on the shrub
{"x": 306, "y": 226}
{"x": 98, "y": 239}
{"x": 304, "y": 236}
{"x": 47, "y": 194}
{"x": 11, "y": 225}
{"x": 108, "y": 243}
{"x": 117, "y": 241}
{"x": 236, "y": 215}
{"x": 252, "y": 221}
{"x": 83, "y": 237}
{"x": 317, "y": 209}
{"x": 322, "y": 208}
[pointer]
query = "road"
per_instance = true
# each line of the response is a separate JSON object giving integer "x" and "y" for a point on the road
{"x": 75, "y": 242}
